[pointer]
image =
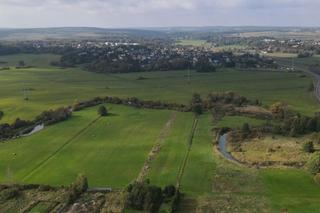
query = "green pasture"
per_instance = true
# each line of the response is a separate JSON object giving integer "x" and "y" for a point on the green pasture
{"x": 193, "y": 42}
{"x": 53, "y": 87}
{"x": 238, "y": 121}
{"x": 292, "y": 190}
{"x": 34, "y": 60}
{"x": 110, "y": 151}
{"x": 165, "y": 167}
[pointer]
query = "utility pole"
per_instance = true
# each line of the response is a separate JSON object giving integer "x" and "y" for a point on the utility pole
{"x": 292, "y": 64}
{"x": 189, "y": 80}
{"x": 25, "y": 93}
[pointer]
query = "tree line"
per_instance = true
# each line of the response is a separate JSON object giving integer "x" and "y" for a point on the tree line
{"x": 20, "y": 127}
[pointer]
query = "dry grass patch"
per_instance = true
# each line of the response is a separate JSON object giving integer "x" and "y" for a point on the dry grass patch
{"x": 272, "y": 151}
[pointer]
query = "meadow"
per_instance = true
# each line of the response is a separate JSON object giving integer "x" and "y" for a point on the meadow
{"x": 51, "y": 87}
{"x": 111, "y": 150}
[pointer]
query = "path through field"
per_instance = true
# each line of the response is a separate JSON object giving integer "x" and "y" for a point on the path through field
{"x": 185, "y": 160}
{"x": 315, "y": 71}
{"x": 60, "y": 148}
{"x": 157, "y": 147}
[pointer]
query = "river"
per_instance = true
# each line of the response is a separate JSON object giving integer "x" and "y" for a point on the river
{"x": 223, "y": 147}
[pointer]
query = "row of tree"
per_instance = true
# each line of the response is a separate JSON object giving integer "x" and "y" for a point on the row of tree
{"x": 21, "y": 127}
{"x": 298, "y": 125}
{"x": 133, "y": 101}
{"x": 216, "y": 100}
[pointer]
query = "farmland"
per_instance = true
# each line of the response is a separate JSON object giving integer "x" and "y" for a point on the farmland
{"x": 111, "y": 150}
{"x": 52, "y": 87}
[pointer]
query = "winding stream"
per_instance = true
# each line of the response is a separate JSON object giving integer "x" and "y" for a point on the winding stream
{"x": 223, "y": 147}
{"x": 36, "y": 129}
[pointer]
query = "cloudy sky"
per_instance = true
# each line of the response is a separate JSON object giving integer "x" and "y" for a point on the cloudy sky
{"x": 154, "y": 13}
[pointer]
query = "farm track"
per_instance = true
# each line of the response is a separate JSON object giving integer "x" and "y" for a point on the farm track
{"x": 156, "y": 147}
{"x": 185, "y": 160}
{"x": 60, "y": 148}
{"x": 315, "y": 73}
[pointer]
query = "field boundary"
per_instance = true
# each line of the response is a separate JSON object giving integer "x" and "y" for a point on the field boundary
{"x": 185, "y": 160}
{"x": 156, "y": 147}
{"x": 60, "y": 148}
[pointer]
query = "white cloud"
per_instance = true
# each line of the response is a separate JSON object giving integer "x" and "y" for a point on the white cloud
{"x": 155, "y": 12}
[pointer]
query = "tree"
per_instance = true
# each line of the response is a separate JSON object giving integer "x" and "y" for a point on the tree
{"x": 311, "y": 87}
{"x": 102, "y": 111}
{"x": 204, "y": 65}
{"x": 308, "y": 147}
{"x": 77, "y": 188}
{"x": 313, "y": 164}
{"x": 197, "y": 104}
{"x": 246, "y": 128}
{"x": 169, "y": 191}
{"x": 22, "y": 63}
{"x": 1, "y": 114}
{"x": 143, "y": 196}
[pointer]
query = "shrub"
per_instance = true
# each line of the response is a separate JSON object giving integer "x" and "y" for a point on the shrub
{"x": 77, "y": 188}
{"x": 54, "y": 116}
{"x": 313, "y": 164}
{"x": 9, "y": 193}
{"x": 144, "y": 197}
{"x": 317, "y": 178}
{"x": 45, "y": 188}
{"x": 197, "y": 104}
{"x": 102, "y": 111}
{"x": 308, "y": 147}
{"x": 311, "y": 87}
{"x": 169, "y": 191}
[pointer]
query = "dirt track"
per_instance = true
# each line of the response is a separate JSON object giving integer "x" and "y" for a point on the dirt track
{"x": 315, "y": 71}
{"x": 156, "y": 147}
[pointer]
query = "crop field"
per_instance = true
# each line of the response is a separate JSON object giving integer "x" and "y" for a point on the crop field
{"x": 112, "y": 150}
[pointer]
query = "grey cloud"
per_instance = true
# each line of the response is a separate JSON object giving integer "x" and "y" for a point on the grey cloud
{"x": 123, "y": 13}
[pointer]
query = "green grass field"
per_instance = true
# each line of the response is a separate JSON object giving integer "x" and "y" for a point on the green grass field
{"x": 194, "y": 42}
{"x": 51, "y": 88}
{"x": 291, "y": 190}
{"x": 34, "y": 60}
{"x": 165, "y": 168}
{"x": 111, "y": 150}
{"x": 238, "y": 121}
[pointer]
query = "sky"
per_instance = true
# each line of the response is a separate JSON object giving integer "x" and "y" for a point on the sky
{"x": 157, "y": 13}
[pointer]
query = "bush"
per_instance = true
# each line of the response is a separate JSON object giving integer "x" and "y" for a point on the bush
{"x": 144, "y": 197}
{"x": 197, "y": 104}
{"x": 9, "y": 193}
{"x": 77, "y": 188}
{"x": 54, "y": 116}
{"x": 313, "y": 164}
{"x": 102, "y": 111}
{"x": 311, "y": 87}
{"x": 308, "y": 147}
{"x": 317, "y": 178}
{"x": 1, "y": 114}
{"x": 169, "y": 191}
